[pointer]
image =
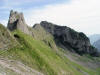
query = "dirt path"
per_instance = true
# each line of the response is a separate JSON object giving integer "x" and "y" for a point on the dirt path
{"x": 18, "y": 67}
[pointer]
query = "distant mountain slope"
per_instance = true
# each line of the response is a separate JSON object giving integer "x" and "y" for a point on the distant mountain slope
{"x": 94, "y": 38}
{"x": 97, "y": 45}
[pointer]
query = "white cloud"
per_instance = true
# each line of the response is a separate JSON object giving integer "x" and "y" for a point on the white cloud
{"x": 4, "y": 22}
{"x": 82, "y": 15}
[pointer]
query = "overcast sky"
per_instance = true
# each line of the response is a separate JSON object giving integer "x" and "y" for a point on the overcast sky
{"x": 81, "y": 15}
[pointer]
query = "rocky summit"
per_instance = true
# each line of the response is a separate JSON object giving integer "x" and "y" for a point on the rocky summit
{"x": 66, "y": 37}
{"x": 17, "y": 21}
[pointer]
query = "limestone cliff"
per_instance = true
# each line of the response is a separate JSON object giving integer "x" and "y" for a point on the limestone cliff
{"x": 17, "y": 21}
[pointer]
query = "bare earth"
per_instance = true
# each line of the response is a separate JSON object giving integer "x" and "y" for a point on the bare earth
{"x": 17, "y": 67}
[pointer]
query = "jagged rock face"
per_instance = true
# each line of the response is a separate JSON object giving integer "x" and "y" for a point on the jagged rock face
{"x": 16, "y": 21}
{"x": 66, "y": 37}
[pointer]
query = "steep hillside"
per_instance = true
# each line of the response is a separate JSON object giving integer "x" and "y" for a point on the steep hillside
{"x": 45, "y": 49}
{"x": 6, "y": 39}
{"x": 39, "y": 33}
{"x": 39, "y": 56}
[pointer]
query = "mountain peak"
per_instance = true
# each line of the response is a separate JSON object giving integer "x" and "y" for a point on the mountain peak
{"x": 46, "y": 23}
{"x": 17, "y": 21}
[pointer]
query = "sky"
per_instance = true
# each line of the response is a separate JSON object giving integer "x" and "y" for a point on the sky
{"x": 81, "y": 15}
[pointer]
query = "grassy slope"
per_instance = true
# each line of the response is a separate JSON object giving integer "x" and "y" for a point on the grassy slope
{"x": 6, "y": 39}
{"x": 40, "y": 34}
{"x": 38, "y": 55}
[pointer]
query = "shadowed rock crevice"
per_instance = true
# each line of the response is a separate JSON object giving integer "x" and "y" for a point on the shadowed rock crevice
{"x": 16, "y": 36}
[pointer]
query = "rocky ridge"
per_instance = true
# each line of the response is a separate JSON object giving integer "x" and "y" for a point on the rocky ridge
{"x": 66, "y": 37}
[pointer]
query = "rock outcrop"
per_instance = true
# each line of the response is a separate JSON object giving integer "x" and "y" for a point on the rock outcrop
{"x": 66, "y": 37}
{"x": 17, "y": 21}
